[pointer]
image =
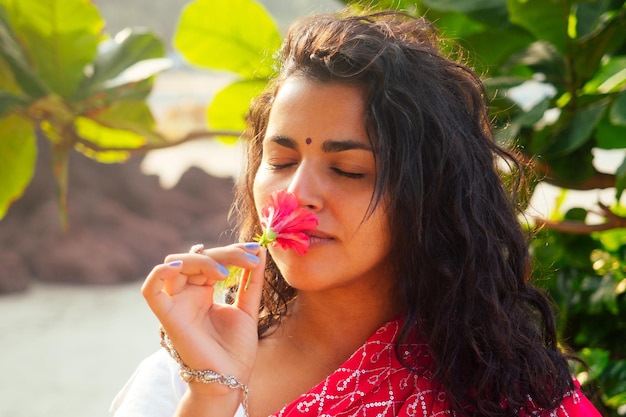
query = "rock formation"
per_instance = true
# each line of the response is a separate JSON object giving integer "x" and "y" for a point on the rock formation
{"x": 121, "y": 223}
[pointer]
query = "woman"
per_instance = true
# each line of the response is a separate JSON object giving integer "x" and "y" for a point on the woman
{"x": 413, "y": 297}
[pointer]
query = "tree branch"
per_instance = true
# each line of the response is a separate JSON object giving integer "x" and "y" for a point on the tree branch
{"x": 613, "y": 221}
{"x": 597, "y": 180}
{"x": 197, "y": 134}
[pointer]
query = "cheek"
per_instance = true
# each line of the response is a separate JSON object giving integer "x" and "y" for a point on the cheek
{"x": 262, "y": 187}
{"x": 258, "y": 193}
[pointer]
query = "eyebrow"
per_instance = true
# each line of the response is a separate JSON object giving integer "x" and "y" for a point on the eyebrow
{"x": 329, "y": 146}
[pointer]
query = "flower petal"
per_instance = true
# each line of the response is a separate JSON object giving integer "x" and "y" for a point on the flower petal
{"x": 284, "y": 216}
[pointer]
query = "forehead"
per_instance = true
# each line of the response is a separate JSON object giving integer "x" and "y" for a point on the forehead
{"x": 316, "y": 109}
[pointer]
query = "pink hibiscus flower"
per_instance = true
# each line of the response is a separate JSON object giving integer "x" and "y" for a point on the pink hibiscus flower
{"x": 284, "y": 222}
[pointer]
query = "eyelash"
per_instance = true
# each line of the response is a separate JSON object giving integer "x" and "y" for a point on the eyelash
{"x": 351, "y": 175}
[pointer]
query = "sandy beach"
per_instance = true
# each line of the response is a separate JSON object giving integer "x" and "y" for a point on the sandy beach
{"x": 67, "y": 349}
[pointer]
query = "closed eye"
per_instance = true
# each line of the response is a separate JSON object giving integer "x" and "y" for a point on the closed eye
{"x": 354, "y": 175}
{"x": 279, "y": 166}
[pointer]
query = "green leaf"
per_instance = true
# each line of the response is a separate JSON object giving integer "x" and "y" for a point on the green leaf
{"x": 130, "y": 115}
{"x": 61, "y": 37}
{"x": 18, "y": 154}
{"x": 132, "y": 55}
{"x": 611, "y": 77}
{"x": 7, "y": 81}
{"x": 605, "y": 296}
{"x": 234, "y": 35}
{"x": 103, "y": 137}
{"x": 10, "y": 102}
{"x": 540, "y": 57}
{"x": 616, "y": 401}
{"x": 464, "y": 6}
{"x": 579, "y": 129}
{"x": 455, "y": 25}
{"x": 609, "y": 135}
{"x": 17, "y": 61}
{"x": 108, "y": 96}
{"x": 620, "y": 180}
{"x": 617, "y": 114}
{"x": 545, "y": 19}
{"x": 587, "y": 53}
{"x": 589, "y": 15}
{"x": 492, "y": 47}
{"x": 596, "y": 358}
{"x": 575, "y": 168}
{"x": 615, "y": 382}
{"x": 229, "y": 106}
{"x": 534, "y": 115}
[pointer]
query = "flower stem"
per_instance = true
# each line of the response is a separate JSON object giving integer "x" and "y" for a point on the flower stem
{"x": 248, "y": 280}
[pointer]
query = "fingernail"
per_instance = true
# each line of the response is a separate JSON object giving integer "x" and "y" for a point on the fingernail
{"x": 223, "y": 269}
{"x": 251, "y": 245}
{"x": 253, "y": 258}
{"x": 175, "y": 263}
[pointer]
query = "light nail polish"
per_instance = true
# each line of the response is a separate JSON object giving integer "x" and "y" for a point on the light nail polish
{"x": 252, "y": 257}
{"x": 223, "y": 269}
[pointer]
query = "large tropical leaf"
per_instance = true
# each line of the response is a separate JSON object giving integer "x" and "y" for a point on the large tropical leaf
{"x": 618, "y": 111}
{"x": 18, "y": 153}
{"x": 16, "y": 61}
{"x": 105, "y": 137}
{"x": 232, "y": 35}
{"x": 131, "y": 56}
{"x": 611, "y": 77}
{"x": 229, "y": 106}
{"x": 579, "y": 129}
{"x": 61, "y": 37}
{"x": 132, "y": 115}
{"x": 545, "y": 19}
{"x": 589, "y": 51}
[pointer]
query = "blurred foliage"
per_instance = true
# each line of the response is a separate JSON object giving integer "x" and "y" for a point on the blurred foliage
{"x": 238, "y": 36}
{"x": 63, "y": 79}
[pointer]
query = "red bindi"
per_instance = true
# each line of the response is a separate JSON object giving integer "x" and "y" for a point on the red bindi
{"x": 308, "y": 141}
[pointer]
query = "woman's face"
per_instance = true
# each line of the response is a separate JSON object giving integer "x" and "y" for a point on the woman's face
{"x": 316, "y": 146}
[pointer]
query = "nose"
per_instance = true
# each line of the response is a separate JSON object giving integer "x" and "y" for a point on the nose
{"x": 307, "y": 186}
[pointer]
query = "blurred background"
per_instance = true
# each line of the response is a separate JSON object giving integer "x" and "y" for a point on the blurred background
{"x": 73, "y": 325}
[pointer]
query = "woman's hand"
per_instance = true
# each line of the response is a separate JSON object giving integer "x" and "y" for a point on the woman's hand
{"x": 207, "y": 335}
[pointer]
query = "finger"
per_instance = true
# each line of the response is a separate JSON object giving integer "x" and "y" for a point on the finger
{"x": 200, "y": 265}
{"x": 174, "y": 284}
{"x": 209, "y": 261}
{"x": 242, "y": 255}
{"x": 251, "y": 247}
{"x": 202, "y": 280}
{"x": 249, "y": 296}
{"x": 154, "y": 285}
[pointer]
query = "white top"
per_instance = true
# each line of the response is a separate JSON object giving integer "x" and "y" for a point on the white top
{"x": 154, "y": 390}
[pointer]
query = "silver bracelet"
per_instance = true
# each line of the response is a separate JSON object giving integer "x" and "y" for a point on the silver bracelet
{"x": 188, "y": 374}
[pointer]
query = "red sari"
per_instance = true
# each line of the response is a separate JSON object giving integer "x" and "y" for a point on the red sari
{"x": 373, "y": 383}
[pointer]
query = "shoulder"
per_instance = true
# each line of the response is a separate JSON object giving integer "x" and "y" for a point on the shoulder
{"x": 576, "y": 404}
{"x": 573, "y": 404}
{"x": 154, "y": 389}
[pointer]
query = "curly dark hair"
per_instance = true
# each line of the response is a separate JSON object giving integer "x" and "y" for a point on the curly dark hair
{"x": 459, "y": 251}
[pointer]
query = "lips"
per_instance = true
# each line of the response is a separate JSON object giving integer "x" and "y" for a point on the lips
{"x": 318, "y": 236}
{"x": 318, "y": 233}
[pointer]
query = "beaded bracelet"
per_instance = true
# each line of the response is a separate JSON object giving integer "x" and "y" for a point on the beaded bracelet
{"x": 188, "y": 374}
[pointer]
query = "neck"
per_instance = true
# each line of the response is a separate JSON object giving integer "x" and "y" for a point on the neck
{"x": 336, "y": 323}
